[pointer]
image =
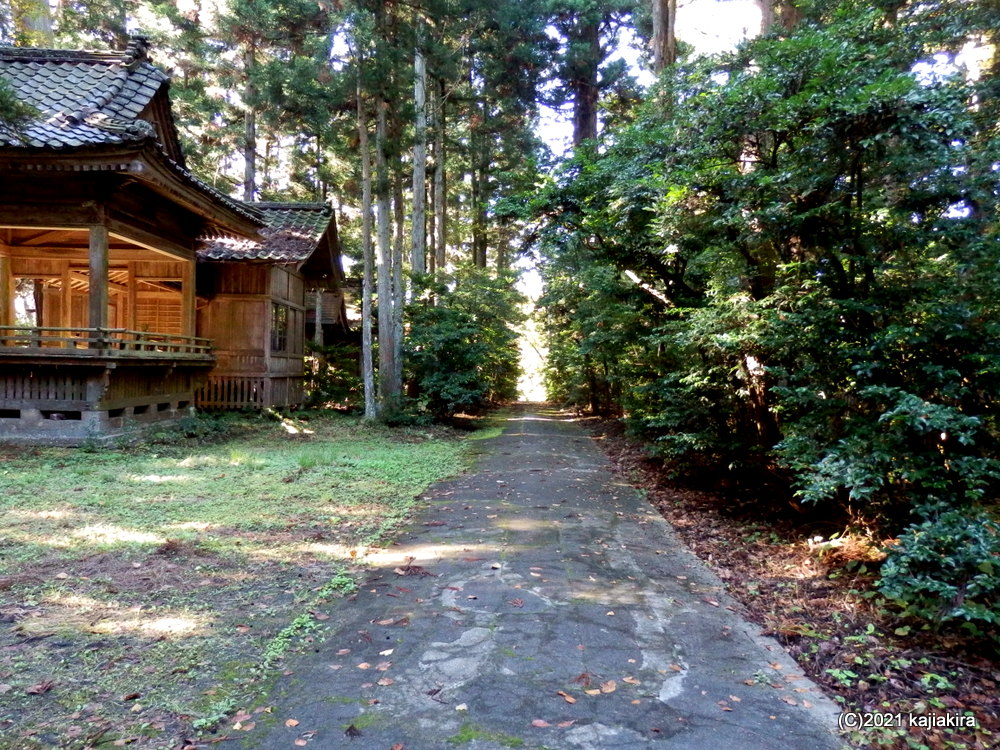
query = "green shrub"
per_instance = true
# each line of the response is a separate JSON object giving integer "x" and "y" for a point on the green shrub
{"x": 332, "y": 377}
{"x": 946, "y": 569}
{"x": 461, "y": 353}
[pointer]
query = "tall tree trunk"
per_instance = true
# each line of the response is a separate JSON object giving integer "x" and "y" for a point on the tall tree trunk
{"x": 418, "y": 252}
{"x": 33, "y": 24}
{"x": 584, "y": 83}
{"x": 664, "y": 35}
{"x": 249, "y": 128}
{"x": 440, "y": 184}
{"x": 397, "y": 281}
{"x": 388, "y": 392}
{"x": 367, "y": 359}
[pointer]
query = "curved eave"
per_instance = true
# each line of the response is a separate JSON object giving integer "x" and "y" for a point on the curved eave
{"x": 144, "y": 161}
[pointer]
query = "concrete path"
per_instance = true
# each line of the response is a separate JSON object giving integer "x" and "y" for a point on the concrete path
{"x": 540, "y": 603}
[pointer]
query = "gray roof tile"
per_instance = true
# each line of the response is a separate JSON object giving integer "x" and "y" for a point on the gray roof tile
{"x": 97, "y": 90}
{"x": 292, "y": 234}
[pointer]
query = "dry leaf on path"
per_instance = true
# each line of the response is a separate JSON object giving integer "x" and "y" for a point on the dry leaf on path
{"x": 631, "y": 680}
{"x": 609, "y": 687}
{"x": 40, "y": 687}
{"x": 291, "y": 722}
{"x": 566, "y": 696}
{"x": 541, "y": 723}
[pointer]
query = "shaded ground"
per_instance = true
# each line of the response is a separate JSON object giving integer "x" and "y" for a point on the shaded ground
{"x": 820, "y": 604}
{"x": 146, "y": 593}
{"x": 539, "y": 602}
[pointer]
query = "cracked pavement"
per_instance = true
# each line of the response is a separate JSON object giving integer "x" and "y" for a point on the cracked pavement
{"x": 544, "y": 604}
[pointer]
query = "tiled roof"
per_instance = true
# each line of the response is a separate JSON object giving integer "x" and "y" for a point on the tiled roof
{"x": 82, "y": 98}
{"x": 292, "y": 233}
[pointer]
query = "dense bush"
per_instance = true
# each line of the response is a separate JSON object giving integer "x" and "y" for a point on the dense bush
{"x": 461, "y": 350}
{"x": 946, "y": 568}
{"x": 788, "y": 262}
{"x": 332, "y": 376}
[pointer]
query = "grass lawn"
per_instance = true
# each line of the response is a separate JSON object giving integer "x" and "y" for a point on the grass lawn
{"x": 146, "y": 592}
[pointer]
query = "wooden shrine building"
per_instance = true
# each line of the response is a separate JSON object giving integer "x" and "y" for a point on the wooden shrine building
{"x": 101, "y": 226}
{"x": 255, "y": 304}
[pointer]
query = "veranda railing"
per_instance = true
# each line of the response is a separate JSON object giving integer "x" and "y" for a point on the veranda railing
{"x": 108, "y": 342}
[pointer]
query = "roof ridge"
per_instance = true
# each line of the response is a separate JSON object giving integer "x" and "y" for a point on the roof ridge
{"x": 136, "y": 52}
{"x": 303, "y": 205}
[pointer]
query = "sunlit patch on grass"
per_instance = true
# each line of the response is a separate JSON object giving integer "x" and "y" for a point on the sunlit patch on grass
{"x": 159, "y": 478}
{"x": 194, "y": 462}
{"x": 108, "y": 534}
{"x": 65, "y": 614}
{"x": 190, "y": 526}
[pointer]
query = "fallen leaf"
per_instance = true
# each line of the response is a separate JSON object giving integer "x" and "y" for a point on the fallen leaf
{"x": 364, "y": 665}
{"x": 398, "y": 746}
{"x": 735, "y": 699}
{"x": 343, "y": 651}
{"x": 242, "y": 716}
{"x": 131, "y": 696}
{"x": 593, "y": 691}
{"x": 248, "y": 726}
{"x": 299, "y": 742}
{"x": 710, "y": 601}
{"x": 566, "y": 696}
{"x": 583, "y": 679}
{"x": 677, "y": 667}
{"x": 789, "y": 700}
{"x": 243, "y": 628}
{"x": 386, "y": 652}
{"x": 568, "y": 723}
{"x": 41, "y": 687}
{"x": 386, "y": 681}
{"x": 516, "y": 602}
{"x": 541, "y": 723}
{"x": 461, "y": 707}
{"x": 631, "y": 680}
{"x": 291, "y": 722}
{"x": 609, "y": 687}
{"x": 383, "y": 665}
{"x": 385, "y": 622}
{"x": 807, "y": 704}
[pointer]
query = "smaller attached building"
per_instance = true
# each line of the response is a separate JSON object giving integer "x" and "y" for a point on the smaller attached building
{"x": 252, "y": 302}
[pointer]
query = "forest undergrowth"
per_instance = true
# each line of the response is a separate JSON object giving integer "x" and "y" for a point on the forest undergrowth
{"x": 813, "y": 591}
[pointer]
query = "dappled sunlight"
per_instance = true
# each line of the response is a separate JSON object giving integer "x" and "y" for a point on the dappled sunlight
{"x": 191, "y": 526}
{"x": 42, "y": 515}
{"x": 525, "y": 524}
{"x": 61, "y": 612}
{"x": 159, "y": 478}
{"x": 194, "y": 462}
{"x": 108, "y": 534}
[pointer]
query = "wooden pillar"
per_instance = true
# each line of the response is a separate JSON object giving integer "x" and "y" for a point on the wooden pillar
{"x": 131, "y": 295}
{"x": 187, "y": 298}
{"x": 66, "y": 303}
{"x": 98, "y": 297}
{"x": 6, "y": 292}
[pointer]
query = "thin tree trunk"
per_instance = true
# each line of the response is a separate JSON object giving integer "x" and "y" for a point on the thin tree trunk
{"x": 397, "y": 283}
{"x": 419, "y": 249}
{"x": 664, "y": 35}
{"x": 585, "y": 83}
{"x": 440, "y": 195}
{"x": 383, "y": 199}
{"x": 33, "y": 24}
{"x": 367, "y": 359}
{"x": 249, "y": 129}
